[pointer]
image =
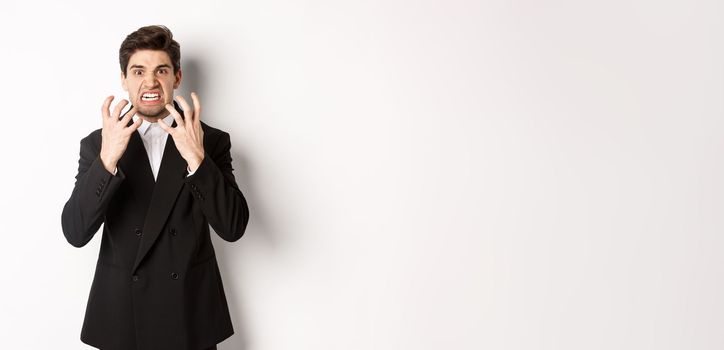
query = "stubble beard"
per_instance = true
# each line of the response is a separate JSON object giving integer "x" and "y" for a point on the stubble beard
{"x": 152, "y": 112}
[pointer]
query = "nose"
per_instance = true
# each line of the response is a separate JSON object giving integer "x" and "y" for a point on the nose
{"x": 149, "y": 80}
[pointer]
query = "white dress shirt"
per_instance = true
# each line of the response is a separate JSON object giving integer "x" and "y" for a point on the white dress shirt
{"x": 154, "y": 140}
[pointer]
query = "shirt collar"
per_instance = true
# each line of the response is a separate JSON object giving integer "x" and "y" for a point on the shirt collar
{"x": 145, "y": 124}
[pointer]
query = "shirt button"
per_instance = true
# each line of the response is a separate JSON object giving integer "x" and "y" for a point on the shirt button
{"x": 174, "y": 275}
{"x": 135, "y": 278}
{"x": 138, "y": 232}
{"x": 172, "y": 231}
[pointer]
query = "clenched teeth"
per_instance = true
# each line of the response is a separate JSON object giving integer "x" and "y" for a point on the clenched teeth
{"x": 150, "y": 97}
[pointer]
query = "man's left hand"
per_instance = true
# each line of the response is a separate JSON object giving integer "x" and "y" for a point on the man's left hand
{"x": 187, "y": 135}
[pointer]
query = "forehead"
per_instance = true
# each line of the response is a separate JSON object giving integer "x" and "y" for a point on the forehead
{"x": 149, "y": 58}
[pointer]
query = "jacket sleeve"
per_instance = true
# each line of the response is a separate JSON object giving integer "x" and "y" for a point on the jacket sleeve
{"x": 84, "y": 212}
{"x": 214, "y": 187}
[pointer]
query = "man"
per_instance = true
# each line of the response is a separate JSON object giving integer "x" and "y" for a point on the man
{"x": 156, "y": 184}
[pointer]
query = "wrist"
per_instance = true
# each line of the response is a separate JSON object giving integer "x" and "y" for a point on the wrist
{"x": 195, "y": 163}
{"x": 110, "y": 165}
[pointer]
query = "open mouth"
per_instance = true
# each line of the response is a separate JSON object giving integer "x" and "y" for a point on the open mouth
{"x": 151, "y": 97}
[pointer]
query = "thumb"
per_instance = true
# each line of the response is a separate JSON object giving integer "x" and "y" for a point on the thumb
{"x": 136, "y": 124}
{"x": 164, "y": 126}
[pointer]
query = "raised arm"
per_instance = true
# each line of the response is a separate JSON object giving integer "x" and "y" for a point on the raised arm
{"x": 95, "y": 182}
{"x": 214, "y": 186}
{"x": 212, "y": 182}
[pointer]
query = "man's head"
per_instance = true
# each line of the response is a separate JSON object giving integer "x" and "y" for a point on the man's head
{"x": 150, "y": 69}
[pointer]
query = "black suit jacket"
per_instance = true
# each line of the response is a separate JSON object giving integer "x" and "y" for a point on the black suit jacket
{"x": 157, "y": 284}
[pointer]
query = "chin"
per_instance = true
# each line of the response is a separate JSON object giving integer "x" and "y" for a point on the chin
{"x": 152, "y": 112}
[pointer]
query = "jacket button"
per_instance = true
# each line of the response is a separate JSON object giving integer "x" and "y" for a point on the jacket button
{"x": 172, "y": 231}
{"x": 174, "y": 275}
{"x": 135, "y": 278}
{"x": 138, "y": 232}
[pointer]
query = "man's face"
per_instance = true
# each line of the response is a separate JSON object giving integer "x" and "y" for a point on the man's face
{"x": 150, "y": 82}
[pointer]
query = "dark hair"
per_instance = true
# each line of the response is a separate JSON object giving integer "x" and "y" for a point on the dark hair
{"x": 155, "y": 37}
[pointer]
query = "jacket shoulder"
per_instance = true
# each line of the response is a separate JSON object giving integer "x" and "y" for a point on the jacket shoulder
{"x": 92, "y": 139}
{"x": 211, "y": 131}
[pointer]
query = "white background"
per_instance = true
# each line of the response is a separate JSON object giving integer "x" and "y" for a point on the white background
{"x": 421, "y": 174}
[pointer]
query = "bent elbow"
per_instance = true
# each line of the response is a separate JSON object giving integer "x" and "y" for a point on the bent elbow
{"x": 76, "y": 243}
{"x": 234, "y": 232}
{"x": 71, "y": 231}
{"x": 74, "y": 237}
{"x": 233, "y": 237}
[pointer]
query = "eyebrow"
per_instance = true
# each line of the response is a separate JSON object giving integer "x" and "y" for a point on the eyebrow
{"x": 143, "y": 67}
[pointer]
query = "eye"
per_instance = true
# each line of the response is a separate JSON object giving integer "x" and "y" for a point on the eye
{"x": 162, "y": 71}
{"x": 138, "y": 72}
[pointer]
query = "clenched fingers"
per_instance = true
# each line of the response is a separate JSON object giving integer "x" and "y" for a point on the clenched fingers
{"x": 128, "y": 116}
{"x": 136, "y": 124}
{"x": 188, "y": 112}
{"x": 119, "y": 107}
{"x": 176, "y": 116}
{"x": 197, "y": 108}
{"x": 105, "y": 109}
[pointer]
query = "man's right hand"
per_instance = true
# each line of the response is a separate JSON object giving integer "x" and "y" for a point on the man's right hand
{"x": 115, "y": 133}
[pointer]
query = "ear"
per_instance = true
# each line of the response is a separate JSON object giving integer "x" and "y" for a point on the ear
{"x": 123, "y": 82}
{"x": 177, "y": 83}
